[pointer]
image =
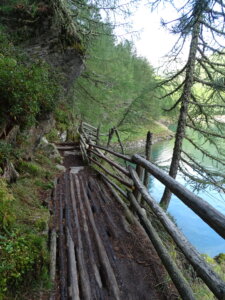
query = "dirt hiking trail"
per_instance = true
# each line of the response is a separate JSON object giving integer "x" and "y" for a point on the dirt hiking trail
{"x": 101, "y": 255}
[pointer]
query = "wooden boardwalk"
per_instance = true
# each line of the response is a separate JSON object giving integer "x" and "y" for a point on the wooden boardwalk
{"x": 101, "y": 254}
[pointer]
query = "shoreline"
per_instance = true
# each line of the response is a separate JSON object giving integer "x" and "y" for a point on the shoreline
{"x": 141, "y": 143}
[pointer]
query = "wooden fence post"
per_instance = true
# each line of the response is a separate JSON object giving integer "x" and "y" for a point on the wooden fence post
{"x": 120, "y": 143}
{"x": 111, "y": 132}
{"x": 98, "y": 134}
{"x": 148, "y": 149}
{"x": 140, "y": 172}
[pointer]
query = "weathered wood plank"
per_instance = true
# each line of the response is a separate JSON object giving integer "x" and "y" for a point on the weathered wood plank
{"x": 53, "y": 247}
{"x": 110, "y": 276}
{"x": 84, "y": 278}
{"x": 204, "y": 271}
{"x": 65, "y": 148}
{"x": 62, "y": 255}
{"x": 204, "y": 210}
{"x": 90, "y": 246}
{"x": 74, "y": 288}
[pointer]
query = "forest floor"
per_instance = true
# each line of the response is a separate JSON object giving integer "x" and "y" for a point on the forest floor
{"x": 100, "y": 255}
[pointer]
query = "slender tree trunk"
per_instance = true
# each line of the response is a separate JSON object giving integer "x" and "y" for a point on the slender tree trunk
{"x": 185, "y": 97}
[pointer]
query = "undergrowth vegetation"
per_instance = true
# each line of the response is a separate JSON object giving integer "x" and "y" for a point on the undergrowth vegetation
{"x": 28, "y": 89}
{"x": 201, "y": 291}
{"x": 24, "y": 218}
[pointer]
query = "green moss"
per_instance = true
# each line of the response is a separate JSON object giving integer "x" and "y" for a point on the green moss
{"x": 6, "y": 214}
{"x": 31, "y": 168}
{"x": 53, "y": 135}
{"x": 24, "y": 256}
{"x": 22, "y": 251}
{"x": 41, "y": 224}
{"x": 62, "y": 117}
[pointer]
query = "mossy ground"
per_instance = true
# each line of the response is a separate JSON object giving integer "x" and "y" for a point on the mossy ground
{"x": 24, "y": 219}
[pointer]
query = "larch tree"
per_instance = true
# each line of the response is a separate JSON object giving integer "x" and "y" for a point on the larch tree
{"x": 111, "y": 82}
{"x": 198, "y": 88}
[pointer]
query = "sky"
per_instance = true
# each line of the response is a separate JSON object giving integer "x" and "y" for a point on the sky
{"x": 153, "y": 41}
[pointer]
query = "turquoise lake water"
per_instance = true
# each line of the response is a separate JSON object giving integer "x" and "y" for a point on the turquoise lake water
{"x": 198, "y": 233}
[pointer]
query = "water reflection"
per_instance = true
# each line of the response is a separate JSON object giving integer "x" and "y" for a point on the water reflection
{"x": 198, "y": 233}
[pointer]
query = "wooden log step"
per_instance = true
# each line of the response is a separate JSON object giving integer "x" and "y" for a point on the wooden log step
{"x": 84, "y": 278}
{"x": 97, "y": 257}
{"x": 65, "y": 148}
{"x": 108, "y": 271}
{"x": 84, "y": 220}
{"x": 62, "y": 252}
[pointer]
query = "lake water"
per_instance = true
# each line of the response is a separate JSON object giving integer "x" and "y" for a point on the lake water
{"x": 198, "y": 233}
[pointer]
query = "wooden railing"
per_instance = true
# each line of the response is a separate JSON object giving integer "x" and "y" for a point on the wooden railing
{"x": 131, "y": 183}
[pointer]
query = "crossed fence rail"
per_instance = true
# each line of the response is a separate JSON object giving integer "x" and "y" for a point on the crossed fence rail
{"x": 134, "y": 188}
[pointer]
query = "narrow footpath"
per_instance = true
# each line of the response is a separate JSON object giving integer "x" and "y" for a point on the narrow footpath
{"x": 100, "y": 254}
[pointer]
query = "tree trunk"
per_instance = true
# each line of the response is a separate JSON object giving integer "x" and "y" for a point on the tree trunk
{"x": 185, "y": 98}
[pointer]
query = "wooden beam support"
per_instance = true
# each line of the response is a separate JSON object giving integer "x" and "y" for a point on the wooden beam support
{"x": 131, "y": 218}
{"x": 117, "y": 166}
{"x": 124, "y": 194}
{"x": 178, "y": 279}
{"x": 148, "y": 147}
{"x": 127, "y": 184}
{"x": 98, "y": 135}
{"x": 140, "y": 172}
{"x": 204, "y": 210}
{"x": 89, "y": 126}
{"x": 125, "y": 157}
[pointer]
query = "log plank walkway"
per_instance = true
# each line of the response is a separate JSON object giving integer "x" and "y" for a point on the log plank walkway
{"x": 100, "y": 254}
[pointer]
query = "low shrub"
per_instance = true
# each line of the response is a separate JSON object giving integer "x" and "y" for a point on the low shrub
{"x": 21, "y": 255}
{"x": 28, "y": 89}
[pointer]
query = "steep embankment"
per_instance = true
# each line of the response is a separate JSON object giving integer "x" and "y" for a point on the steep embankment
{"x": 40, "y": 57}
{"x": 41, "y": 48}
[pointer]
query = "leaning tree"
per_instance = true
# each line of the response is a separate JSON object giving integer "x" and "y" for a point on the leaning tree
{"x": 198, "y": 90}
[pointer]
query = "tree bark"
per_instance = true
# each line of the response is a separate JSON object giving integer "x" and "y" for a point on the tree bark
{"x": 185, "y": 97}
